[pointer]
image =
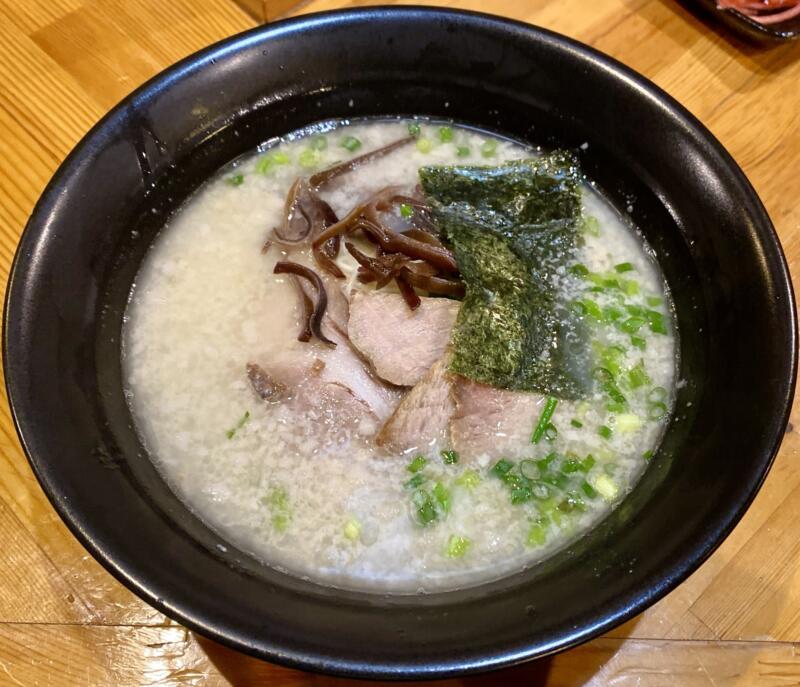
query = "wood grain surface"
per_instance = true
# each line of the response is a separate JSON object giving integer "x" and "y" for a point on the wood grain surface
{"x": 65, "y": 622}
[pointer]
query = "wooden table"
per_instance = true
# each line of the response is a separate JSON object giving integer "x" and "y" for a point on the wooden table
{"x": 64, "y": 621}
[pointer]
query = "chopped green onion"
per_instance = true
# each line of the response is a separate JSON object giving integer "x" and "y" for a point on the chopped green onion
{"x": 544, "y": 419}
{"x": 654, "y": 301}
{"x": 406, "y": 210}
{"x": 637, "y": 376}
{"x": 424, "y": 145}
{"x": 590, "y": 225}
{"x": 308, "y": 158}
{"x": 469, "y": 479}
{"x": 604, "y": 431}
{"x": 632, "y": 325}
{"x": 647, "y": 455}
{"x": 449, "y": 457}
{"x": 587, "y": 463}
{"x": 501, "y": 468}
{"x": 624, "y": 267}
{"x": 417, "y": 463}
{"x": 591, "y": 309}
{"x": 607, "y": 384}
{"x": 235, "y": 180}
{"x": 268, "y": 161}
{"x": 415, "y": 481}
{"x": 550, "y": 432}
{"x": 425, "y": 511}
{"x": 559, "y": 480}
{"x": 414, "y": 128}
{"x": 588, "y": 489}
{"x": 521, "y": 495}
{"x": 656, "y": 411}
{"x": 550, "y": 508}
{"x": 544, "y": 463}
{"x": 571, "y": 503}
{"x": 607, "y": 488}
{"x": 611, "y": 360}
{"x": 611, "y": 314}
{"x": 638, "y": 342}
{"x": 350, "y": 143}
{"x": 457, "y": 546}
{"x": 442, "y": 496}
{"x": 656, "y": 321}
{"x": 630, "y": 287}
{"x": 576, "y": 423}
{"x": 264, "y": 164}
{"x": 489, "y": 148}
{"x": 528, "y": 469}
{"x": 463, "y": 151}
{"x": 628, "y": 422}
{"x": 537, "y": 534}
{"x": 570, "y": 465}
{"x": 280, "y": 512}
{"x": 445, "y": 134}
{"x": 241, "y": 423}
{"x": 579, "y": 270}
{"x": 352, "y": 529}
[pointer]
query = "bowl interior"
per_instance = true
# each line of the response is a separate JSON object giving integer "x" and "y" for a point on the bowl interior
{"x": 91, "y": 229}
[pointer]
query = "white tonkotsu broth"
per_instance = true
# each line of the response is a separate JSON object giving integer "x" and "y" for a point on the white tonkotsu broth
{"x": 330, "y": 506}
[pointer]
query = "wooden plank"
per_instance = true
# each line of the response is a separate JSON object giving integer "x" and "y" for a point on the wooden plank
{"x": 267, "y": 10}
{"x": 79, "y": 655}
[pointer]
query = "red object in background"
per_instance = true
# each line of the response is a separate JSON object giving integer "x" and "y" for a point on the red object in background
{"x": 763, "y": 11}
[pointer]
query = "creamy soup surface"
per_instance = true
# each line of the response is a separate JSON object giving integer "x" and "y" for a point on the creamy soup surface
{"x": 375, "y": 464}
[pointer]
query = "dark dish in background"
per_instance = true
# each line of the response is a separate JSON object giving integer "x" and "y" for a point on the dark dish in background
{"x": 748, "y": 26}
{"x": 709, "y": 466}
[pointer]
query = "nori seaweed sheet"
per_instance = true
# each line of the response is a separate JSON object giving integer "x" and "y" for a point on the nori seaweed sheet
{"x": 513, "y": 230}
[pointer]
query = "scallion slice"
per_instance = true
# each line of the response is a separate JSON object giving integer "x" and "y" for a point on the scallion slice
{"x": 449, "y": 457}
{"x": 489, "y": 148}
{"x": 350, "y": 143}
{"x": 544, "y": 419}
{"x": 417, "y": 463}
{"x": 501, "y": 468}
{"x": 457, "y": 546}
{"x": 241, "y": 423}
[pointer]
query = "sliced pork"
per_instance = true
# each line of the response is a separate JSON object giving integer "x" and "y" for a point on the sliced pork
{"x": 490, "y": 421}
{"x": 401, "y": 344}
{"x": 423, "y": 415}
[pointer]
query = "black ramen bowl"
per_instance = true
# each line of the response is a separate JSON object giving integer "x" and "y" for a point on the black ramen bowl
{"x": 89, "y": 232}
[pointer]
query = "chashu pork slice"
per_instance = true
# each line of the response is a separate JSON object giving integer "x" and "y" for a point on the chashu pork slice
{"x": 400, "y": 344}
{"x": 424, "y": 413}
{"x": 492, "y": 422}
